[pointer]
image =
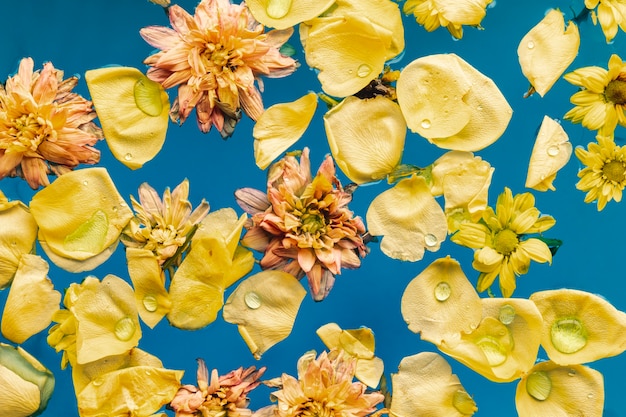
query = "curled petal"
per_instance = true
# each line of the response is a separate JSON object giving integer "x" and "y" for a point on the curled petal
{"x": 550, "y": 153}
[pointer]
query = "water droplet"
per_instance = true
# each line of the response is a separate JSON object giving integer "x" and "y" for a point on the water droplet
{"x": 539, "y": 385}
{"x": 124, "y": 329}
{"x": 530, "y": 44}
{"x": 150, "y": 303}
{"x": 278, "y": 8}
{"x": 568, "y": 335}
{"x": 364, "y": 70}
{"x": 114, "y": 208}
{"x": 553, "y": 150}
{"x": 493, "y": 350}
{"x": 507, "y": 314}
{"x": 85, "y": 182}
{"x": 426, "y": 124}
{"x": 445, "y": 98}
{"x": 128, "y": 156}
{"x": 571, "y": 372}
{"x": 442, "y": 291}
{"x": 479, "y": 108}
{"x": 464, "y": 404}
{"x": 590, "y": 396}
{"x": 430, "y": 240}
{"x": 97, "y": 382}
{"x": 123, "y": 204}
{"x": 284, "y": 406}
{"x": 252, "y": 300}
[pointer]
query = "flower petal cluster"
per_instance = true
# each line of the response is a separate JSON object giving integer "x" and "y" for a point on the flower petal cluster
{"x": 303, "y": 225}
{"x": 44, "y": 127}
{"x": 610, "y": 13}
{"x": 215, "y": 57}
{"x": 451, "y": 14}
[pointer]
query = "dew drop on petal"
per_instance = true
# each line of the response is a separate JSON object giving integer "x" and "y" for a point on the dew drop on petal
{"x": 553, "y": 150}
{"x": 442, "y": 291}
{"x": 539, "y": 385}
{"x": 124, "y": 329}
{"x": 85, "y": 182}
{"x": 530, "y": 44}
{"x": 97, "y": 382}
{"x": 252, "y": 300}
{"x": 364, "y": 70}
{"x": 507, "y": 314}
{"x": 128, "y": 156}
{"x": 568, "y": 335}
{"x": 430, "y": 240}
{"x": 426, "y": 124}
{"x": 494, "y": 351}
{"x": 150, "y": 303}
{"x": 277, "y": 9}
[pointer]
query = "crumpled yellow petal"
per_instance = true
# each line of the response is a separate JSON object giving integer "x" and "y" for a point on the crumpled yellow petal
{"x": 280, "y": 126}
{"x": 80, "y": 217}
{"x": 408, "y": 218}
{"x": 450, "y": 103}
{"x": 25, "y": 384}
{"x": 440, "y": 303}
{"x": 282, "y": 14}
{"x": 106, "y": 317}
{"x": 358, "y": 343}
{"x": 560, "y": 391}
{"x": 264, "y": 307}
{"x": 31, "y": 302}
{"x": 152, "y": 299}
{"x": 546, "y": 51}
{"x": 579, "y": 327}
{"x": 353, "y": 128}
{"x": 551, "y": 152}
{"x": 133, "y": 111}
{"x": 426, "y": 386}
{"x": 17, "y": 237}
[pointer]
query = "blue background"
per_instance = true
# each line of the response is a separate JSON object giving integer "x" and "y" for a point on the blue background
{"x": 78, "y": 35}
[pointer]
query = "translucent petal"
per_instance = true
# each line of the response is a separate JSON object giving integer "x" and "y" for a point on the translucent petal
{"x": 17, "y": 237}
{"x": 551, "y": 152}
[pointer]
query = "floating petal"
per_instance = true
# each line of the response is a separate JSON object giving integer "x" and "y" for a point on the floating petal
{"x": 17, "y": 237}
{"x": 551, "y": 152}
{"x": 282, "y": 14}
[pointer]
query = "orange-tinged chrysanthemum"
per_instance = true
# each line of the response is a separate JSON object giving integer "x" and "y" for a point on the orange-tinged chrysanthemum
{"x": 44, "y": 127}
{"x": 303, "y": 224}
{"x": 214, "y": 57}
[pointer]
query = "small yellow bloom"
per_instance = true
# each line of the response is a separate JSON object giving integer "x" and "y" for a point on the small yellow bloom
{"x": 610, "y": 13}
{"x": 601, "y": 103}
{"x": 551, "y": 152}
{"x": 451, "y": 14}
{"x": 604, "y": 175}
{"x": 282, "y": 14}
{"x": 500, "y": 243}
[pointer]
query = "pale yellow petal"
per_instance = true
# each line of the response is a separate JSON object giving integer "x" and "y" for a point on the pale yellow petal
{"x": 17, "y": 237}
{"x": 551, "y": 152}
{"x": 546, "y": 50}
{"x": 133, "y": 111}
{"x": 366, "y": 148}
{"x": 280, "y": 126}
{"x": 409, "y": 219}
{"x": 281, "y": 14}
{"x": 264, "y": 307}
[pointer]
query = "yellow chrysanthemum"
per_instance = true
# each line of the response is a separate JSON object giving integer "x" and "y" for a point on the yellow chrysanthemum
{"x": 451, "y": 14}
{"x": 500, "y": 243}
{"x": 600, "y": 105}
{"x": 611, "y": 14}
{"x": 604, "y": 175}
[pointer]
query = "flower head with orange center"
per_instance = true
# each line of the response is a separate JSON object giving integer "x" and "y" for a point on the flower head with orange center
{"x": 214, "y": 57}
{"x": 501, "y": 242}
{"x": 226, "y": 395}
{"x": 303, "y": 224}
{"x": 604, "y": 175}
{"x": 601, "y": 104}
{"x": 325, "y": 387}
{"x": 44, "y": 127}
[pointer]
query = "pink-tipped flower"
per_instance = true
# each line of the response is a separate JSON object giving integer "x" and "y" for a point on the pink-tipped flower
{"x": 303, "y": 225}
{"x": 214, "y": 57}
{"x": 44, "y": 127}
{"x": 226, "y": 395}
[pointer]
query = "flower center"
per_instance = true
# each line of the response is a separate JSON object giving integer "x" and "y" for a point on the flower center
{"x": 312, "y": 222}
{"x": 28, "y": 132}
{"x": 315, "y": 409}
{"x": 614, "y": 171}
{"x": 505, "y": 241}
{"x": 615, "y": 91}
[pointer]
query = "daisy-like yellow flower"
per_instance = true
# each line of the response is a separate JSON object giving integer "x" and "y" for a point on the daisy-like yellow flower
{"x": 44, "y": 127}
{"x": 225, "y": 395}
{"x": 325, "y": 387}
{"x": 499, "y": 237}
{"x": 611, "y": 14}
{"x": 163, "y": 226}
{"x": 604, "y": 175}
{"x": 303, "y": 225}
{"x": 451, "y": 14}
{"x": 214, "y": 57}
{"x": 600, "y": 105}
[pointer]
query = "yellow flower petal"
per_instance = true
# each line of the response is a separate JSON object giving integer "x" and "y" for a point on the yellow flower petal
{"x": 281, "y": 14}
{"x": 408, "y": 218}
{"x": 551, "y": 152}
{"x": 426, "y": 386}
{"x": 17, "y": 237}
{"x": 440, "y": 303}
{"x": 560, "y": 391}
{"x": 546, "y": 51}
{"x": 264, "y": 308}
{"x": 450, "y": 103}
{"x": 133, "y": 111}
{"x": 31, "y": 302}
{"x": 355, "y": 141}
{"x": 80, "y": 216}
{"x": 579, "y": 327}
{"x": 281, "y": 126}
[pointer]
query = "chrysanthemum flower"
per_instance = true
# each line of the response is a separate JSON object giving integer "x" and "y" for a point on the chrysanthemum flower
{"x": 44, "y": 127}
{"x": 163, "y": 226}
{"x": 601, "y": 104}
{"x": 303, "y": 224}
{"x": 502, "y": 247}
{"x": 611, "y": 14}
{"x": 214, "y": 57}
{"x": 324, "y": 387}
{"x": 226, "y": 395}
{"x": 604, "y": 175}
{"x": 451, "y": 14}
